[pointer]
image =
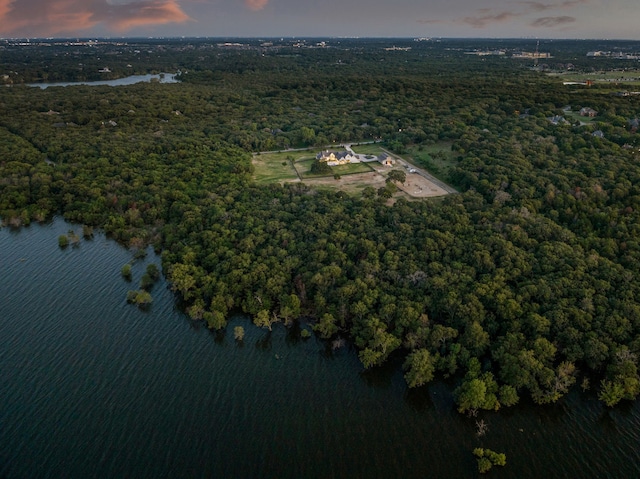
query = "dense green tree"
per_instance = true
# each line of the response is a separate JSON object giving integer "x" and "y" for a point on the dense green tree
{"x": 420, "y": 368}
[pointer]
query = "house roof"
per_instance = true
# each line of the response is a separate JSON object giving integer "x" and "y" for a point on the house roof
{"x": 339, "y": 155}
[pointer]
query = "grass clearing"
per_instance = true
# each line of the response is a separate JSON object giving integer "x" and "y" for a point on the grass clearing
{"x": 437, "y": 159}
{"x": 629, "y": 77}
{"x": 304, "y": 169}
{"x": 276, "y": 167}
{"x": 351, "y": 169}
{"x": 371, "y": 149}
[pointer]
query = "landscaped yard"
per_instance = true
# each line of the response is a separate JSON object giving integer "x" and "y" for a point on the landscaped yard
{"x": 352, "y": 178}
{"x": 304, "y": 169}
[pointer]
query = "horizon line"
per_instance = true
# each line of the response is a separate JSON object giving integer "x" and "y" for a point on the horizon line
{"x": 299, "y": 37}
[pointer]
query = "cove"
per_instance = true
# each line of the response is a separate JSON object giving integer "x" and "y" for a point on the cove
{"x": 93, "y": 387}
{"x": 130, "y": 80}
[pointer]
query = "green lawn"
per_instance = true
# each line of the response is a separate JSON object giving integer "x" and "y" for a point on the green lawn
{"x": 371, "y": 149}
{"x": 276, "y": 167}
{"x": 351, "y": 168}
{"x": 304, "y": 168}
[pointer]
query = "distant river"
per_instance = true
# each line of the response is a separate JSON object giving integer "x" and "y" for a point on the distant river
{"x": 91, "y": 387}
{"x": 130, "y": 80}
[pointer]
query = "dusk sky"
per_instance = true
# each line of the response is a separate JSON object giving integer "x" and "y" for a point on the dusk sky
{"x": 325, "y": 18}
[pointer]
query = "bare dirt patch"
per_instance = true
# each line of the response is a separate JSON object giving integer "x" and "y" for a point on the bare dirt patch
{"x": 418, "y": 186}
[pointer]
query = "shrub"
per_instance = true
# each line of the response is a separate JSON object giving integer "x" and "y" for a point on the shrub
{"x": 238, "y": 333}
{"x": 140, "y": 297}
{"x": 126, "y": 272}
{"x": 488, "y": 458}
{"x": 146, "y": 282}
{"x": 153, "y": 271}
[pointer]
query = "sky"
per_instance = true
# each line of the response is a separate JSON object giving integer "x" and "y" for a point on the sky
{"x": 320, "y": 18}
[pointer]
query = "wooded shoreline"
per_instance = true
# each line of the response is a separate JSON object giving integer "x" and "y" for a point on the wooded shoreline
{"x": 524, "y": 283}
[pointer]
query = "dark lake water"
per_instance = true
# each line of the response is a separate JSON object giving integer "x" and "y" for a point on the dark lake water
{"x": 93, "y": 387}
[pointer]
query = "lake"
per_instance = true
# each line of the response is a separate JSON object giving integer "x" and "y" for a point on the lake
{"x": 130, "y": 80}
{"x": 93, "y": 387}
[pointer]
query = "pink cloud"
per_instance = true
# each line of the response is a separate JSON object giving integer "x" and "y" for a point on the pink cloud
{"x": 486, "y": 19}
{"x": 5, "y": 6}
{"x": 51, "y": 17}
{"x": 149, "y": 13}
{"x": 256, "y": 5}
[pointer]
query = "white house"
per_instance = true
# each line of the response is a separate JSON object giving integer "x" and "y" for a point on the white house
{"x": 335, "y": 158}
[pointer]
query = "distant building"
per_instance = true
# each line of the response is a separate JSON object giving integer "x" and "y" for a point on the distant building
{"x": 586, "y": 111}
{"x": 534, "y": 55}
{"x": 386, "y": 160}
{"x": 557, "y": 120}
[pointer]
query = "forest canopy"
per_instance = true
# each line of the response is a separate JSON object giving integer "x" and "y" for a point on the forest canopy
{"x": 522, "y": 284}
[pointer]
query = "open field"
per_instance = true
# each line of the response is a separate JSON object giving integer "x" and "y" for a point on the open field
{"x": 303, "y": 167}
{"x": 351, "y": 168}
{"x": 438, "y": 159}
{"x": 627, "y": 77}
{"x": 352, "y": 184}
{"x": 294, "y": 166}
{"x": 277, "y": 166}
{"x": 370, "y": 149}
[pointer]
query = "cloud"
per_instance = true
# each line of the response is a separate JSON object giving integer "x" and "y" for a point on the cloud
{"x": 256, "y": 5}
{"x": 148, "y": 12}
{"x": 540, "y": 7}
{"x": 51, "y": 17}
{"x": 486, "y": 18}
{"x": 549, "y": 22}
{"x": 5, "y": 7}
